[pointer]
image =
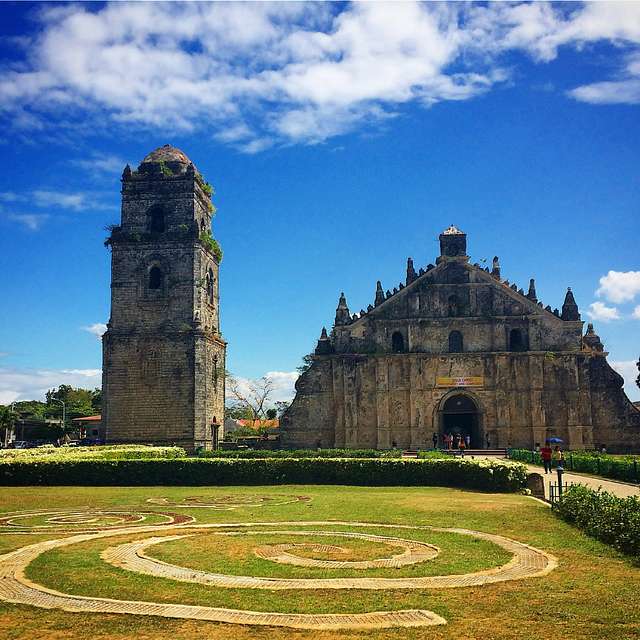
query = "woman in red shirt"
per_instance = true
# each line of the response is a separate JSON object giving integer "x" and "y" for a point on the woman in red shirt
{"x": 546, "y": 452}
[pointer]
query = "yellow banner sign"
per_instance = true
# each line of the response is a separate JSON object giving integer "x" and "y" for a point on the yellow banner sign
{"x": 462, "y": 381}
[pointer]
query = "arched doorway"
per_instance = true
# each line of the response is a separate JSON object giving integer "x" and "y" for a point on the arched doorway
{"x": 459, "y": 414}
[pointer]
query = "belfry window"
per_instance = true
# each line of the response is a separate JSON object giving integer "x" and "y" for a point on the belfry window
{"x": 516, "y": 340}
{"x": 209, "y": 284}
{"x": 397, "y": 342}
{"x": 155, "y": 278}
{"x": 156, "y": 220}
{"x": 455, "y": 342}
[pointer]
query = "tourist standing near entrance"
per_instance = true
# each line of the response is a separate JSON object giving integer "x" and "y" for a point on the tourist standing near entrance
{"x": 462, "y": 446}
{"x": 558, "y": 457}
{"x": 467, "y": 441}
{"x": 488, "y": 442}
{"x": 434, "y": 439}
{"x": 545, "y": 453}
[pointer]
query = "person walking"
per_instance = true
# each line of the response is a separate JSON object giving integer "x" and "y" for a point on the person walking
{"x": 434, "y": 439}
{"x": 557, "y": 456}
{"x": 467, "y": 441}
{"x": 462, "y": 446}
{"x": 545, "y": 453}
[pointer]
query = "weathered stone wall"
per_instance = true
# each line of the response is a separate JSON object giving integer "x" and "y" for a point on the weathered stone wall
{"x": 164, "y": 357}
{"x": 372, "y": 401}
{"x": 374, "y": 381}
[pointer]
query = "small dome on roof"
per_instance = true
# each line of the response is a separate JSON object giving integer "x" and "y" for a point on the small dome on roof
{"x": 166, "y": 153}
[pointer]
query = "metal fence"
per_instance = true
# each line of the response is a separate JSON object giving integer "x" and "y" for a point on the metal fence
{"x": 556, "y": 489}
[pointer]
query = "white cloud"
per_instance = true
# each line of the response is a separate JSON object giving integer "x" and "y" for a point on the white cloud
{"x": 10, "y": 196}
{"x": 282, "y": 386}
{"x": 258, "y": 74}
{"x": 619, "y": 286}
{"x": 636, "y": 313}
{"x": 600, "y": 311}
{"x": 33, "y": 221}
{"x": 629, "y": 371}
{"x": 97, "y": 329}
{"x": 52, "y": 199}
{"x": 624, "y": 90}
{"x": 32, "y": 384}
{"x": 75, "y": 201}
{"x": 101, "y": 163}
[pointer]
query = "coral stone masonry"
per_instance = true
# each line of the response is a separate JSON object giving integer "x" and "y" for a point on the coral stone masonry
{"x": 163, "y": 353}
{"x": 457, "y": 349}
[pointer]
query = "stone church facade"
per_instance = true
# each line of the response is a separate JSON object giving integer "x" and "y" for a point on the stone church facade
{"x": 163, "y": 353}
{"x": 456, "y": 348}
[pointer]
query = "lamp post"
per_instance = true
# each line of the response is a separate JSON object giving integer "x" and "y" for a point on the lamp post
{"x": 215, "y": 429}
{"x": 8, "y": 432}
{"x": 64, "y": 414}
{"x": 560, "y": 471}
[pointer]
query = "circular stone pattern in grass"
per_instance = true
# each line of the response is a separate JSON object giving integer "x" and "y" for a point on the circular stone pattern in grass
{"x": 412, "y": 552}
{"x": 77, "y": 521}
{"x": 229, "y": 502}
{"x": 15, "y": 587}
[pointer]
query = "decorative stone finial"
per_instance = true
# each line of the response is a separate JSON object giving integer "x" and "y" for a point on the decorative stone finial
{"x": 591, "y": 340}
{"x": 411, "y": 272}
{"x": 342, "y": 312}
{"x": 379, "y": 293}
{"x": 495, "y": 271}
{"x": 570, "y": 308}
{"x": 126, "y": 174}
{"x": 324, "y": 345}
{"x": 531, "y": 294}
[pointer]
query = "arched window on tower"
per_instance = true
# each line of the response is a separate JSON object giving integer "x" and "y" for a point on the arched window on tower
{"x": 453, "y": 306}
{"x": 210, "y": 287}
{"x": 156, "y": 220}
{"x": 516, "y": 340}
{"x": 397, "y": 342}
{"x": 455, "y": 342}
{"x": 155, "y": 278}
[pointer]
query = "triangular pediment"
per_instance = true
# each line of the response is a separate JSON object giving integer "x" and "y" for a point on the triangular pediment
{"x": 478, "y": 293}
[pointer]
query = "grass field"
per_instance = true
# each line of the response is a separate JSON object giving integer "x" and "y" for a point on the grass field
{"x": 591, "y": 594}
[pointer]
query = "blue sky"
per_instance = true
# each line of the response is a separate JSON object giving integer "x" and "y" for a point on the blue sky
{"x": 341, "y": 139}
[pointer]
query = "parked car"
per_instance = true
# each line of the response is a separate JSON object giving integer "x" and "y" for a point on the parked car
{"x": 22, "y": 444}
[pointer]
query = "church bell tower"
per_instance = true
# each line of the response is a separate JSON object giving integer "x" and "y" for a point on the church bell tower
{"x": 163, "y": 353}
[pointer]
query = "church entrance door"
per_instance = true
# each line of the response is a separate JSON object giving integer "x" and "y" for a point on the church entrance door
{"x": 460, "y": 416}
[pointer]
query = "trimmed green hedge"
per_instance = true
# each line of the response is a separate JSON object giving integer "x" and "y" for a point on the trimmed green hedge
{"x": 625, "y": 468}
{"x": 604, "y": 516}
{"x": 484, "y": 475}
{"x": 300, "y": 453}
{"x": 110, "y": 452}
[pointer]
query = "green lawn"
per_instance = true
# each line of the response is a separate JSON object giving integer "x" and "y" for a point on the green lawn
{"x": 592, "y": 594}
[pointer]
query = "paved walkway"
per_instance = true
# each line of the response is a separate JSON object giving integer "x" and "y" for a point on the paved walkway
{"x": 620, "y": 489}
{"x": 527, "y": 562}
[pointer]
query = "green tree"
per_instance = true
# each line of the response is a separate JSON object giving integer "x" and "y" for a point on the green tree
{"x": 281, "y": 407}
{"x": 238, "y": 412}
{"x": 307, "y": 361}
{"x": 272, "y": 414}
{"x": 638, "y": 378}
{"x": 8, "y": 417}
{"x": 78, "y": 402}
